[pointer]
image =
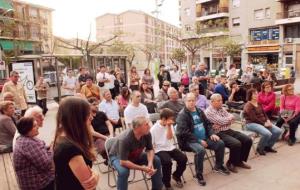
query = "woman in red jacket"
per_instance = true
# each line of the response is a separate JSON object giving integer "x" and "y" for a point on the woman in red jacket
{"x": 267, "y": 99}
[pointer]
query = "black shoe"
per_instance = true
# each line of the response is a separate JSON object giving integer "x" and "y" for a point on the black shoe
{"x": 260, "y": 152}
{"x": 169, "y": 188}
{"x": 291, "y": 142}
{"x": 221, "y": 170}
{"x": 268, "y": 149}
{"x": 231, "y": 167}
{"x": 178, "y": 181}
{"x": 201, "y": 180}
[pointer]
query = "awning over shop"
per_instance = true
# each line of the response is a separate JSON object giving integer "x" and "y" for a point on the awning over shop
{"x": 10, "y": 45}
{"x": 5, "y": 4}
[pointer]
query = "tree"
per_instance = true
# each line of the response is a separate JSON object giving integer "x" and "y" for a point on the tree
{"x": 119, "y": 47}
{"x": 149, "y": 50}
{"x": 85, "y": 47}
{"x": 178, "y": 55}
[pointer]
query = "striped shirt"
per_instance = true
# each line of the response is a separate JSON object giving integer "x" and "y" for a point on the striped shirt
{"x": 220, "y": 118}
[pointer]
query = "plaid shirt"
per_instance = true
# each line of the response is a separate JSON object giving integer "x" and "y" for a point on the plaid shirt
{"x": 33, "y": 163}
{"x": 220, "y": 118}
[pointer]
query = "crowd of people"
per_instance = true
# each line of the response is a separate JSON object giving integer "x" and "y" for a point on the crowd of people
{"x": 194, "y": 110}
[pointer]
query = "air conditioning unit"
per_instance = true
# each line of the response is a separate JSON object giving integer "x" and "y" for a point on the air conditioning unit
{"x": 289, "y": 40}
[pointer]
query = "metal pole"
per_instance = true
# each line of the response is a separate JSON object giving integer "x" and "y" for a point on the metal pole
{"x": 57, "y": 79}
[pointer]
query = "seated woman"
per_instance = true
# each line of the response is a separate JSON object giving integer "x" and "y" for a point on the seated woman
{"x": 148, "y": 98}
{"x": 7, "y": 126}
{"x": 258, "y": 122}
{"x": 237, "y": 97}
{"x": 123, "y": 99}
{"x": 32, "y": 160}
{"x": 101, "y": 128}
{"x": 267, "y": 99}
{"x": 289, "y": 111}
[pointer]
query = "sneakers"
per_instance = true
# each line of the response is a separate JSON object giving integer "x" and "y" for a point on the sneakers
{"x": 261, "y": 152}
{"x": 231, "y": 167}
{"x": 268, "y": 149}
{"x": 201, "y": 180}
{"x": 221, "y": 170}
{"x": 244, "y": 165}
{"x": 178, "y": 181}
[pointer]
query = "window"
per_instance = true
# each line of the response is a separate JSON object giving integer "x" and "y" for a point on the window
{"x": 33, "y": 13}
{"x": 235, "y": 3}
{"x": 268, "y": 13}
{"x": 236, "y": 21}
{"x": 187, "y": 11}
{"x": 259, "y": 14}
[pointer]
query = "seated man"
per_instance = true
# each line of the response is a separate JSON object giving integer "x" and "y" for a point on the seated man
{"x": 237, "y": 98}
{"x": 163, "y": 92}
{"x": 194, "y": 133}
{"x": 135, "y": 109}
{"x": 174, "y": 103}
{"x": 238, "y": 143}
{"x": 126, "y": 152}
{"x": 201, "y": 100}
{"x": 222, "y": 89}
{"x": 162, "y": 138}
{"x": 111, "y": 108}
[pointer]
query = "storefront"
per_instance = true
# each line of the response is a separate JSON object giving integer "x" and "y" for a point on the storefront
{"x": 264, "y": 57}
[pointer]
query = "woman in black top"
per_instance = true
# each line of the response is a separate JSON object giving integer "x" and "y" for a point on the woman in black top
{"x": 73, "y": 146}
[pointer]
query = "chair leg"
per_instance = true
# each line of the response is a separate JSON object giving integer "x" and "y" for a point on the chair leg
{"x": 145, "y": 180}
{"x": 110, "y": 169}
{"x": 208, "y": 158}
{"x": 190, "y": 164}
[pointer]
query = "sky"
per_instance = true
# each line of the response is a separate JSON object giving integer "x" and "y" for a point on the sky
{"x": 77, "y": 17}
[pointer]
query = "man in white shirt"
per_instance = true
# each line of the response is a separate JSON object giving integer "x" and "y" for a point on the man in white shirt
{"x": 69, "y": 84}
{"x": 111, "y": 108}
{"x": 162, "y": 139}
{"x": 135, "y": 109}
{"x": 175, "y": 77}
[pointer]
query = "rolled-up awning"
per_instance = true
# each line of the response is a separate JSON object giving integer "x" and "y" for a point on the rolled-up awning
{"x": 6, "y": 4}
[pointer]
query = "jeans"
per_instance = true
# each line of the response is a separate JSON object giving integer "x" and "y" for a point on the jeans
{"x": 199, "y": 150}
{"x": 238, "y": 144}
{"x": 123, "y": 172}
{"x": 166, "y": 162}
{"x": 269, "y": 136}
{"x": 293, "y": 123}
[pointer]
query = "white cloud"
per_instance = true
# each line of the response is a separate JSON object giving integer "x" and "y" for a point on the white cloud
{"x": 78, "y": 16}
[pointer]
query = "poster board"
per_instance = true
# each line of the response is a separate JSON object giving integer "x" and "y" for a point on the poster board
{"x": 26, "y": 72}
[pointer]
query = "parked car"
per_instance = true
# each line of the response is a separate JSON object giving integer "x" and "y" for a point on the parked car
{"x": 50, "y": 78}
{"x": 2, "y": 81}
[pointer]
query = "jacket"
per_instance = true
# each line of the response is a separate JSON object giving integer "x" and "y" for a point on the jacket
{"x": 185, "y": 128}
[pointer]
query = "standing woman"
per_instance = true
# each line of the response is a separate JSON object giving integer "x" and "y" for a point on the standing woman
{"x": 289, "y": 111}
{"x": 175, "y": 77}
{"x": 41, "y": 88}
{"x": 148, "y": 79}
{"x": 134, "y": 79}
{"x": 73, "y": 146}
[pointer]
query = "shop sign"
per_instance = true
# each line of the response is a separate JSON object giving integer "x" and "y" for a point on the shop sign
{"x": 263, "y": 48}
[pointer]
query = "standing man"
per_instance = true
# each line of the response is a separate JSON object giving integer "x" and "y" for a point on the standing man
{"x": 103, "y": 78}
{"x": 163, "y": 75}
{"x": 203, "y": 77}
{"x": 41, "y": 88}
{"x": 238, "y": 143}
{"x": 127, "y": 152}
{"x": 17, "y": 90}
{"x": 194, "y": 133}
{"x": 135, "y": 109}
{"x": 193, "y": 72}
{"x": 162, "y": 134}
{"x": 82, "y": 77}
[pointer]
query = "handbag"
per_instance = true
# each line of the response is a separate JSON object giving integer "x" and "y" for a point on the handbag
{"x": 286, "y": 113}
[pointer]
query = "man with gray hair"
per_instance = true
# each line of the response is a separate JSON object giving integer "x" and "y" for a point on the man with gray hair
{"x": 203, "y": 77}
{"x": 17, "y": 90}
{"x": 174, "y": 103}
{"x": 127, "y": 152}
{"x": 37, "y": 113}
{"x": 238, "y": 143}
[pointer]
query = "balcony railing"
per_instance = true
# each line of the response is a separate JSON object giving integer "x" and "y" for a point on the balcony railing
{"x": 214, "y": 29}
{"x": 207, "y": 13}
{"x": 263, "y": 42}
{"x": 288, "y": 14}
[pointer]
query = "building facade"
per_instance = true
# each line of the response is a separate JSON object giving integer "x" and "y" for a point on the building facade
{"x": 25, "y": 27}
{"x": 143, "y": 32}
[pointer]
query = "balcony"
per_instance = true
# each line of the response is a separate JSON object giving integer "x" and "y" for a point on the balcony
{"x": 213, "y": 32}
{"x": 203, "y": 1}
{"x": 288, "y": 17}
{"x": 218, "y": 13}
{"x": 262, "y": 42}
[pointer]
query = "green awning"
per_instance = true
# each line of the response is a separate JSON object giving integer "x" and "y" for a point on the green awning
{"x": 5, "y": 4}
{"x": 10, "y": 45}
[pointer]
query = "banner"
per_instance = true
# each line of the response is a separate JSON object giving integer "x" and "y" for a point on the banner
{"x": 26, "y": 72}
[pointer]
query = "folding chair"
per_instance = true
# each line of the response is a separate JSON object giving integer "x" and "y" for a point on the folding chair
{"x": 111, "y": 169}
{"x": 100, "y": 161}
{"x": 154, "y": 117}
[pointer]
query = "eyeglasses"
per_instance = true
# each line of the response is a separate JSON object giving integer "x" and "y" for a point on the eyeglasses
{"x": 138, "y": 96}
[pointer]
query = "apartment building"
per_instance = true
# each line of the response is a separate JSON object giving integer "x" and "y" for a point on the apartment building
{"x": 140, "y": 30}
{"x": 25, "y": 27}
{"x": 288, "y": 20}
{"x": 187, "y": 15}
